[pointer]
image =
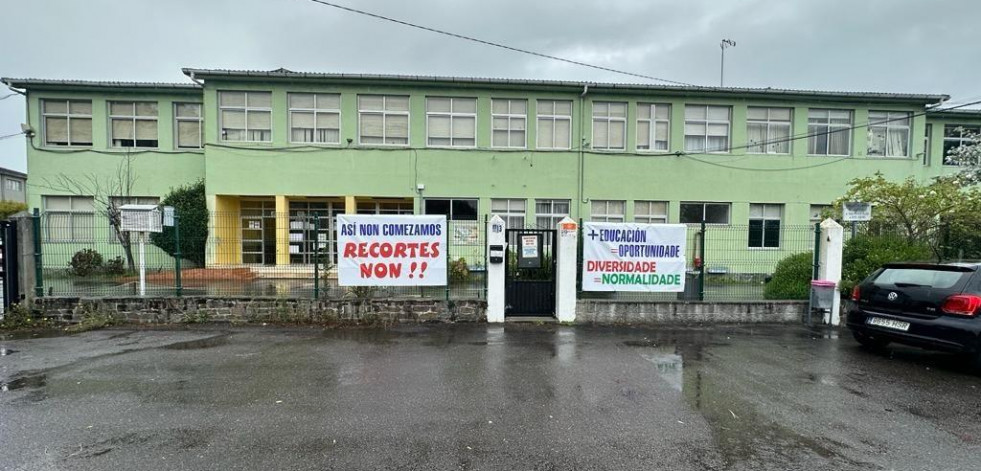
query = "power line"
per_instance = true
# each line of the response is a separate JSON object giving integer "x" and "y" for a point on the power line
{"x": 502, "y": 46}
{"x": 8, "y": 96}
{"x": 11, "y": 135}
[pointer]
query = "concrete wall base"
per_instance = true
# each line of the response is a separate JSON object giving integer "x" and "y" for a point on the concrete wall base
{"x": 641, "y": 312}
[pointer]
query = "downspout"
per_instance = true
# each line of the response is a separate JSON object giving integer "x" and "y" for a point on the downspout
{"x": 190, "y": 75}
{"x": 582, "y": 152}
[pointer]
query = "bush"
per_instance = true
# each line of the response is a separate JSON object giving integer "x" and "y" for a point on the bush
{"x": 115, "y": 266}
{"x": 85, "y": 262}
{"x": 190, "y": 204}
{"x": 863, "y": 255}
{"x": 791, "y": 278}
{"x": 9, "y": 208}
{"x": 459, "y": 272}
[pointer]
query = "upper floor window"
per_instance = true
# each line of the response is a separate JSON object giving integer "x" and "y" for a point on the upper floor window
{"x": 315, "y": 118}
{"x": 133, "y": 123}
{"x": 653, "y": 126}
{"x": 707, "y": 128}
{"x": 609, "y": 125}
{"x": 548, "y": 213}
{"x": 245, "y": 116}
{"x": 554, "y": 124}
{"x": 829, "y": 131}
{"x": 68, "y": 218}
{"x": 768, "y": 130}
{"x": 956, "y": 136}
{"x": 451, "y": 122}
{"x": 711, "y": 213}
{"x": 189, "y": 125}
{"x": 14, "y": 185}
{"x": 383, "y": 120}
{"x": 889, "y": 134}
{"x": 508, "y": 123}
{"x": 67, "y": 122}
{"x": 651, "y": 212}
{"x": 606, "y": 211}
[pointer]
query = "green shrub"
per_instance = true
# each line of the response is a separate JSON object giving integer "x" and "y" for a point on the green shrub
{"x": 9, "y": 208}
{"x": 17, "y": 316}
{"x": 863, "y": 255}
{"x": 791, "y": 278}
{"x": 85, "y": 262}
{"x": 191, "y": 206}
{"x": 115, "y": 266}
{"x": 459, "y": 271}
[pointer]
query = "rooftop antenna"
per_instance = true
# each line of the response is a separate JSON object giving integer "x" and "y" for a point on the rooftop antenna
{"x": 722, "y": 67}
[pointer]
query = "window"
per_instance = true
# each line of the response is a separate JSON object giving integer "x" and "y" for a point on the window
{"x": 764, "y": 225}
{"x": 819, "y": 210}
{"x": 548, "y": 213}
{"x": 956, "y": 136}
{"x": 67, "y": 122}
{"x": 606, "y": 211}
{"x": 133, "y": 124}
{"x": 117, "y": 201}
{"x": 453, "y": 209}
{"x": 245, "y": 116}
{"x": 68, "y": 218}
{"x": 609, "y": 125}
{"x": 653, "y": 126}
{"x": 651, "y": 212}
{"x": 383, "y": 120}
{"x": 508, "y": 123}
{"x": 14, "y": 185}
{"x": 711, "y": 213}
{"x": 888, "y": 134}
{"x": 768, "y": 130}
{"x": 511, "y": 210}
{"x": 554, "y": 124}
{"x": 451, "y": 122}
{"x": 189, "y": 125}
{"x": 830, "y": 132}
{"x": 706, "y": 128}
{"x": 391, "y": 207}
{"x": 315, "y": 118}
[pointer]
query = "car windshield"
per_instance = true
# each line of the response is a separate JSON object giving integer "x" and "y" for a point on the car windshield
{"x": 907, "y": 277}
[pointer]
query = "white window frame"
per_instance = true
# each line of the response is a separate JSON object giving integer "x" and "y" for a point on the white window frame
{"x": 552, "y": 215}
{"x": 539, "y": 117}
{"x": 513, "y": 208}
{"x": 960, "y": 139}
{"x": 769, "y": 125}
{"x": 704, "y": 205}
{"x": 648, "y": 216}
{"x": 385, "y": 113}
{"x": 245, "y": 109}
{"x": 829, "y": 130}
{"x": 453, "y": 117}
{"x": 317, "y": 111}
{"x": 14, "y": 185}
{"x": 71, "y": 213}
{"x": 763, "y": 219}
{"x": 510, "y": 116}
{"x": 709, "y": 122}
{"x": 188, "y": 119}
{"x": 607, "y": 119}
{"x": 133, "y": 118}
{"x": 117, "y": 201}
{"x": 605, "y": 211}
{"x": 652, "y": 123}
{"x": 890, "y": 121}
{"x": 68, "y": 115}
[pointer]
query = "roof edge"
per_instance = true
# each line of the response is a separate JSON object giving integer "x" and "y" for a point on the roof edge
{"x": 49, "y": 84}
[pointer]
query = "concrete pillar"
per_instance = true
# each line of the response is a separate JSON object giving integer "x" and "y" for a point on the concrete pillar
{"x": 565, "y": 270}
{"x": 282, "y": 230}
{"x": 350, "y": 205}
{"x": 25, "y": 254}
{"x": 832, "y": 245}
{"x": 495, "y": 271}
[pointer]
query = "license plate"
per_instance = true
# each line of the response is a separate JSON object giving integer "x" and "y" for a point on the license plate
{"x": 888, "y": 323}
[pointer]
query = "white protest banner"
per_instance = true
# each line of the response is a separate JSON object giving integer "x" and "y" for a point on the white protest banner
{"x": 633, "y": 257}
{"x": 391, "y": 250}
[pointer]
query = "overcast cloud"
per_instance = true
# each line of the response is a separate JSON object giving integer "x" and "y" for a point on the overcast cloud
{"x": 875, "y": 45}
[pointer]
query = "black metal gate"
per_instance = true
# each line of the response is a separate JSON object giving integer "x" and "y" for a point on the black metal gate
{"x": 8, "y": 263}
{"x": 529, "y": 284}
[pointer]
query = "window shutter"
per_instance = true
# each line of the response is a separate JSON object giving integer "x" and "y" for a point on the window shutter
{"x": 146, "y": 129}
{"x": 233, "y": 119}
{"x": 371, "y": 125}
{"x": 439, "y": 126}
{"x": 56, "y": 130}
{"x": 463, "y": 127}
{"x": 617, "y": 134}
{"x": 563, "y": 133}
{"x": 81, "y": 131}
{"x": 188, "y": 134}
{"x": 397, "y": 126}
{"x": 122, "y": 129}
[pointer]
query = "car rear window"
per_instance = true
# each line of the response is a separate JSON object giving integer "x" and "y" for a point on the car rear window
{"x": 919, "y": 277}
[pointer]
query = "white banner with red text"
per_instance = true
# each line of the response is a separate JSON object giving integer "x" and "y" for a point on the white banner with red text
{"x": 391, "y": 250}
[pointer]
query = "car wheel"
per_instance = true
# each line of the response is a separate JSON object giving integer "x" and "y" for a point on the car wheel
{"x": 871, "y": 343}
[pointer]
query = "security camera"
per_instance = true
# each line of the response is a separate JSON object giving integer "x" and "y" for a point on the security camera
{"x": 349, "y": 140}
{"x": 27, "y": 129}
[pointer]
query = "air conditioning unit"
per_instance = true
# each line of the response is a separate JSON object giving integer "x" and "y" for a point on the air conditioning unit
{"x": 140, "y": 218}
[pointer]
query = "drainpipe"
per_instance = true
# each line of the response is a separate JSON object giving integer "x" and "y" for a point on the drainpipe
{"x": 582, "y": 152}
{"x": 190, "y": 75}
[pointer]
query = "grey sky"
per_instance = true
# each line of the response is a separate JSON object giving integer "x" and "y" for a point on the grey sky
{"x": 861, "y": 45}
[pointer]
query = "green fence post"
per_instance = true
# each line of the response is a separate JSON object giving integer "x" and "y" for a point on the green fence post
{"x": 178, "y": 285}
{"x": 701, "y": 268}
{"x": 817, "y": 250}
{"x": 316, "y": 256}
{"x": 38, "y": 269}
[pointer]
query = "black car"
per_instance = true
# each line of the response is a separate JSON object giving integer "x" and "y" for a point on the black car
{"x": 925, "y": 305}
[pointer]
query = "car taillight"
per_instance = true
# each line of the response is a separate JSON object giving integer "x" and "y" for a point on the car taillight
{"x": 856, "y": 293}
{"x": 962, "y": 305}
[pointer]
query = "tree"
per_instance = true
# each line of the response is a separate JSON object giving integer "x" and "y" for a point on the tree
{"x": 190, "y": 204}
{"x": 106, "y": 191}
{"x": 920, "y": 213}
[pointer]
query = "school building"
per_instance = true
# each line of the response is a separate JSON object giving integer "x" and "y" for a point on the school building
{"x": 275, "y": 146}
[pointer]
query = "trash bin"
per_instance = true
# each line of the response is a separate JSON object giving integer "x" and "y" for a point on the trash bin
{"x": 822, "y": 296}
{"x": 691, "y": 287}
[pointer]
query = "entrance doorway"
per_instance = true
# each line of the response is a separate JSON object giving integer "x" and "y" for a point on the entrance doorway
{"x": 258, "y": 219}
{"x": 529, "y": 266}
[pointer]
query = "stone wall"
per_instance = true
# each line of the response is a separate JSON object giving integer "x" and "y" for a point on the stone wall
{"x": 639, "y": 312}
{"x": 257, "y": 309}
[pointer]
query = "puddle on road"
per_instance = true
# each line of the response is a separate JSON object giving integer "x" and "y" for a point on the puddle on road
{"x": 24, "y": 382}
{"x": 199, "y": 344}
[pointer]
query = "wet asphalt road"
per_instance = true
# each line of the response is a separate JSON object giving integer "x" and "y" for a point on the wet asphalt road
{"x": 515, "y": 397}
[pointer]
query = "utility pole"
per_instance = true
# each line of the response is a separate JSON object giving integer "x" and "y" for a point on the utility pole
{"x": 722, "y": 67}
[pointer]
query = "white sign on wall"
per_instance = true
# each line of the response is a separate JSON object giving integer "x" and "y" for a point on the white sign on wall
{"x": 855, "y": 211}
{"x": 391, "y": 250}
{"x": 633, "y": 257}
